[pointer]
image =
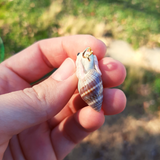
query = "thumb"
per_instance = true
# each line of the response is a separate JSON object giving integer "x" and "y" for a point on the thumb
{"x": 22, "y": 109}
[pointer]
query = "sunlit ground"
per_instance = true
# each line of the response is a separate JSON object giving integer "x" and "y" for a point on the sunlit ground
{"x": 135, "y": 133}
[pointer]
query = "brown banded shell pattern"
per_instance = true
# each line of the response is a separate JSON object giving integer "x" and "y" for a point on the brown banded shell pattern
{"x": 91, "y": 89}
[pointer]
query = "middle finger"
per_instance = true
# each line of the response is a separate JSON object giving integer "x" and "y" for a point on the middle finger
{"x": 113, "y": 72}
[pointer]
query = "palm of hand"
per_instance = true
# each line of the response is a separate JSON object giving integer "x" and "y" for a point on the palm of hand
{"x": 56, "y": 133}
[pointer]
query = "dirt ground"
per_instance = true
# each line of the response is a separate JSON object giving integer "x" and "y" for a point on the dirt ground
{"x": 132, "y": 135}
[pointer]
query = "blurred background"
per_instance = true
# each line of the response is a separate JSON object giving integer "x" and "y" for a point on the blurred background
{"x": 131, "y": 31}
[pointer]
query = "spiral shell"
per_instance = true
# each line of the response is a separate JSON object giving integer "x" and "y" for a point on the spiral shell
{"x": 90, "y": 82}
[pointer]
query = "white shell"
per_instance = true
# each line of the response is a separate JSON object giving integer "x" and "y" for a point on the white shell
{"x": 90, "y": 84}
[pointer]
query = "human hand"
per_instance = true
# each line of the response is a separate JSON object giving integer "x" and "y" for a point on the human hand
{"x": 47, "y": 120}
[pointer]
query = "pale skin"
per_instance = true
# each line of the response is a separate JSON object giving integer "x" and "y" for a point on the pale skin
{"x": 47, "y": 120}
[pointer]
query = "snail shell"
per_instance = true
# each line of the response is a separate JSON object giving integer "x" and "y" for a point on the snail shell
{"x": 90, "y": 82}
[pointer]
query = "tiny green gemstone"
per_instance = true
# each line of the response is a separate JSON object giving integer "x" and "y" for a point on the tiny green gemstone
{"x": 1, "y": 50}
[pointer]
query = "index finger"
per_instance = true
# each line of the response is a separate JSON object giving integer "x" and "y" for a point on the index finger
{"x": 40, "y": 58}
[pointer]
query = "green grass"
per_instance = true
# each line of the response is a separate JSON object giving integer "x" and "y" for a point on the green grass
{"x": 22, "y": 22}
{"x": 138, "y": 20}
{"x": 19, "y": 23}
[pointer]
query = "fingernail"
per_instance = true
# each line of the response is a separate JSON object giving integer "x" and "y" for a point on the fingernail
{"x": 66, "y": 69}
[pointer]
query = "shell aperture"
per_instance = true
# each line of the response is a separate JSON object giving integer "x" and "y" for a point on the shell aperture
{"x": 90, "y": 84}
